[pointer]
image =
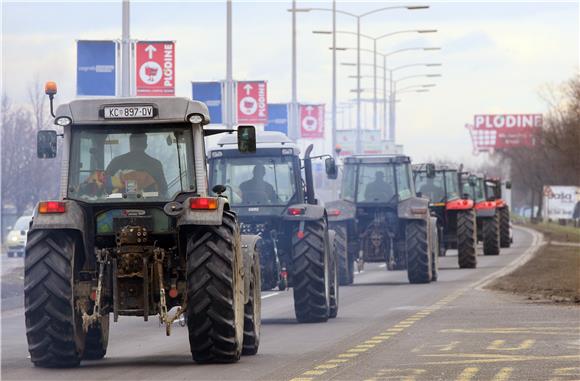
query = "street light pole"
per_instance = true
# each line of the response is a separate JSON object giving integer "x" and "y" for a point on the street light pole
{"x": 375, "y": 116}
{"x": 385, "y": 132}
{"x": 333, "y": 140}
{"x": 358, "y": 144}
{"x": 293, "y": 131}
{"x": 126, "y": 51}
{"x": 229, "y": 90}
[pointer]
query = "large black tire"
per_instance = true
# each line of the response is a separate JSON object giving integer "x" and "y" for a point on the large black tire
{"x": 442, "y": 245}
{"x": 504, "y": 227}
{"x": 53, "y": 325}
{"x": 311, "y": 273}
{"x": 435, "y": 258}
{"x": 418, "y": 252}
{"x": 345, "y": 262}
{"x": 215, "y": 313}
{"x": 253, "y": 311}
{"x": 333, "y": 302}
{"x": 490, "y": 227}
{"x": 466, "y": 239}
{"x": 97, "y": 339}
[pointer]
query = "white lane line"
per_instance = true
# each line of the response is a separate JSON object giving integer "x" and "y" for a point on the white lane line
{"x": 269, "y": 295}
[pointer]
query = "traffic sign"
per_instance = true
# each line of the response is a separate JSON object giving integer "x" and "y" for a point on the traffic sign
{"x": 277, "y": 118}
{"x": 209, "y": 93}
{"x": 252, "y": 102}
{"x": 96, "y": 67}
{"x": 155, "y": 68}
{"x": 312, "y": 121}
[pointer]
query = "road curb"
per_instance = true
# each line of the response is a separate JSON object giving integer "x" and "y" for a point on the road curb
{"x": 537, "y": 242}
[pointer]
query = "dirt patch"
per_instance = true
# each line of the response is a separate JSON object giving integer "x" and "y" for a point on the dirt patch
{"x": 553, "y": 274}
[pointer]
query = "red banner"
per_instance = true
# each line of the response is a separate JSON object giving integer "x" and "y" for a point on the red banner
{"x": 155, "y": 68}
{"x": 504, "y": 131}
{"x": 252, "y": 102}
{"x": 312, "y": 121}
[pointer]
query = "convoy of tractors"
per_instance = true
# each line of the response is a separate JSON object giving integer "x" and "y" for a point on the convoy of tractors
{"x": 151, "y": 222}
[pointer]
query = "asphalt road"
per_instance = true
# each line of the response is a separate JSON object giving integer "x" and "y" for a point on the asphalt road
{"x": 386, "y": 329}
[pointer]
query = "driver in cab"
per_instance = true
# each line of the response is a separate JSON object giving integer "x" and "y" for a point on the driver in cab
{"x": 378, "y": 190}
{"x": 136, "y": 169}
{"x": 434, "y": 192}
{"x": 256, "y": 190}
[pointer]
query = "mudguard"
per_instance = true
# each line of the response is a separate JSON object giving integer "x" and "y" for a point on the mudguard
{"x": 414, "y": 208}
{"x": 249, "y": 244}
{"x": 460, "y": 204}
{"x": 202, "y": 217}
{"x": 311, "y": 213}
{"x": 340, "y": 210}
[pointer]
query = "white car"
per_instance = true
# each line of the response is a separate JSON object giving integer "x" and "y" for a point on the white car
{"x": 16, "y": 238}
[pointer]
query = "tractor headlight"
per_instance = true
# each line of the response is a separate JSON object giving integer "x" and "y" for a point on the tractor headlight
{"x": 63, "y": 121}
{"x": 195, "y": 119}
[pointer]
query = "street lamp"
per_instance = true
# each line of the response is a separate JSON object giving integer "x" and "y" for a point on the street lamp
{"x": 358, "y": 18}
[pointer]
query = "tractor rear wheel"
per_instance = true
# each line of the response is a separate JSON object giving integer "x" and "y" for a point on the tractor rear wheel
{"x": 504, "y": 227}
{"x": 345, "y": 262}
{"x": 418, "y": 252}
{"x": 215, "y": 292}
{"x": 491, "y": 235}
{"x": 253, "y": 311}
{"x": 466, "y": 240}
{"x": 333, "y": 303}
{"x": 311, "y": 273}
{"x": 53, "y": 324}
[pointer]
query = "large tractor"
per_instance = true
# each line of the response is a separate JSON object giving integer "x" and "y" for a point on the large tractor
{"x": 274, "y": 200}
{"x": 383, "y": 219}
{"x": 493, "y": 189}
{"x": 136, "y": 233}
{"x": 455, "y": 212}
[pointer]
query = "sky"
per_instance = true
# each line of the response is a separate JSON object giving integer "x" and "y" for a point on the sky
{"x": 497, "y": 57}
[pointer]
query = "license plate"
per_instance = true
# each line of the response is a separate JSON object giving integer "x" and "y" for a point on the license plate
{"x": 128, "y": 112}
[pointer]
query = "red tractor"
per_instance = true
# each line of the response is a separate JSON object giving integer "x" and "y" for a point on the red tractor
{"x": 455, "y": 212}
{"x": 493, "y": 190}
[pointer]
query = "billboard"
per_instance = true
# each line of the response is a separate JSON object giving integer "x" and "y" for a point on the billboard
{"x": 96, "y": 68}
{"x": 155, "y": 68}
{"x": 560, "y": 202}
{"x": 209, "y": 93}
{"x": 277, "y": 118}
{"x": 500, "y": 131}
{"x": 371, "y": 142}
{"x": 312, "y": 121}
{"x": 252, "y": 102}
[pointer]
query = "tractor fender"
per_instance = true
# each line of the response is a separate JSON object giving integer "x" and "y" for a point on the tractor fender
{"x": 414, "y": 208}
{"x": 249, "y": 245}
{"x": 311, "y": 213}
{"x": 189, "y": 216}
{"x": 340, "y": 210}
{"x": 461, "y": 204}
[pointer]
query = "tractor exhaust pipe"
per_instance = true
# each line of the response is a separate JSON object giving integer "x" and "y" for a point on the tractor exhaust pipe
{"x": 308, "y": 176}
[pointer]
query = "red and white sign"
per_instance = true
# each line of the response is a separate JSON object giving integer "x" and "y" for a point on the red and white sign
{"x": 155, "y": 69}
{"x": 252, "y": 102}
{"x": 312, "y": 121}
{"x": 504, "y": 131}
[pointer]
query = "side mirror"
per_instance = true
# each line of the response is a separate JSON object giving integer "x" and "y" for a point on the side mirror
{"x": 472, "y": 180}
{"x": 419, "y": 194}
{"x": 46, "y": 144}
{"x": 430, "y": 170}
{"x": 331, "y": 170}
{"x": 218, "y": 189}
{"x": 247, "y": 139}
{"x": 508, "y": 185}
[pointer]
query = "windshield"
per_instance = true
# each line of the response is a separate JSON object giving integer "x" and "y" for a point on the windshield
{"x": 442, "y": 187}
{"x": 379, "y": 182}
{"x": 475, "y": 191}
{"x": 257, "y": 180}
{"x": 22, "y": 223}
{"x": 125, "y": 163}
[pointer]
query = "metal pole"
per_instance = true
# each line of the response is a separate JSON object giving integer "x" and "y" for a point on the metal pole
{"x": 391, "y": 108}
{"x": 126, "y": 51}
{"x": 333, "y": 141}
{"x": 229, "y": 93}
{"x": 358, "y": 145}
{"x": 385, "y": 123}
{"x": 393, "y": 111}
{"x": 293, "y": 131}
{"x": 375, "y": 114}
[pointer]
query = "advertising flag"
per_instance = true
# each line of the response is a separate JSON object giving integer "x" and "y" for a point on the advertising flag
{"x": 155, "y": 68}
{"x": 209, "y": 93}
{"x": 96, "y": 68}
{"x": 312, "y": 121}
{"x": 277, "y": 118}
{"x": 252, "y": 102}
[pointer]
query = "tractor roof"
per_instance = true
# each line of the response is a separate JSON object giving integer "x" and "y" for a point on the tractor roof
{"x": 377, "y": 159}
{"x": 265, "y": 139}
{"x": 168, "y": 110}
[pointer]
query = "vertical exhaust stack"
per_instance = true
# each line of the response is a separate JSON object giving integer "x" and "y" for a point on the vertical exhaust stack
{"x": 310, "y": 198}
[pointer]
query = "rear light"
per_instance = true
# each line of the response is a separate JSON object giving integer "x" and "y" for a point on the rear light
{"x": 203, "y": 203}
{"x": 334, "y": 212}
{"x": 47, "y": 207}
{"x": 296, "y": 211}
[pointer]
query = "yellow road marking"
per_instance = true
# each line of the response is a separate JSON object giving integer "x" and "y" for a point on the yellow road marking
{"x": 348, "y": 355}
{"x": 365, "y": 346}
{"x": 302, "y": 379}
{"x": 484, "y": 358}
{"x": 327, "y": 366}
{"x": 373, "y": 341}
{"x": 356, "y": 350}
{"x": 503, "y": 374}
{"x": 499, "y": 345}
{"x": 314, "y": 372}
{"x": 339, "y": 361}
{"x": 467, "y": 374}
{"x": 574, "y": 372}
{"x": 380, "y": 337}
{"x": 536, "y": 331}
